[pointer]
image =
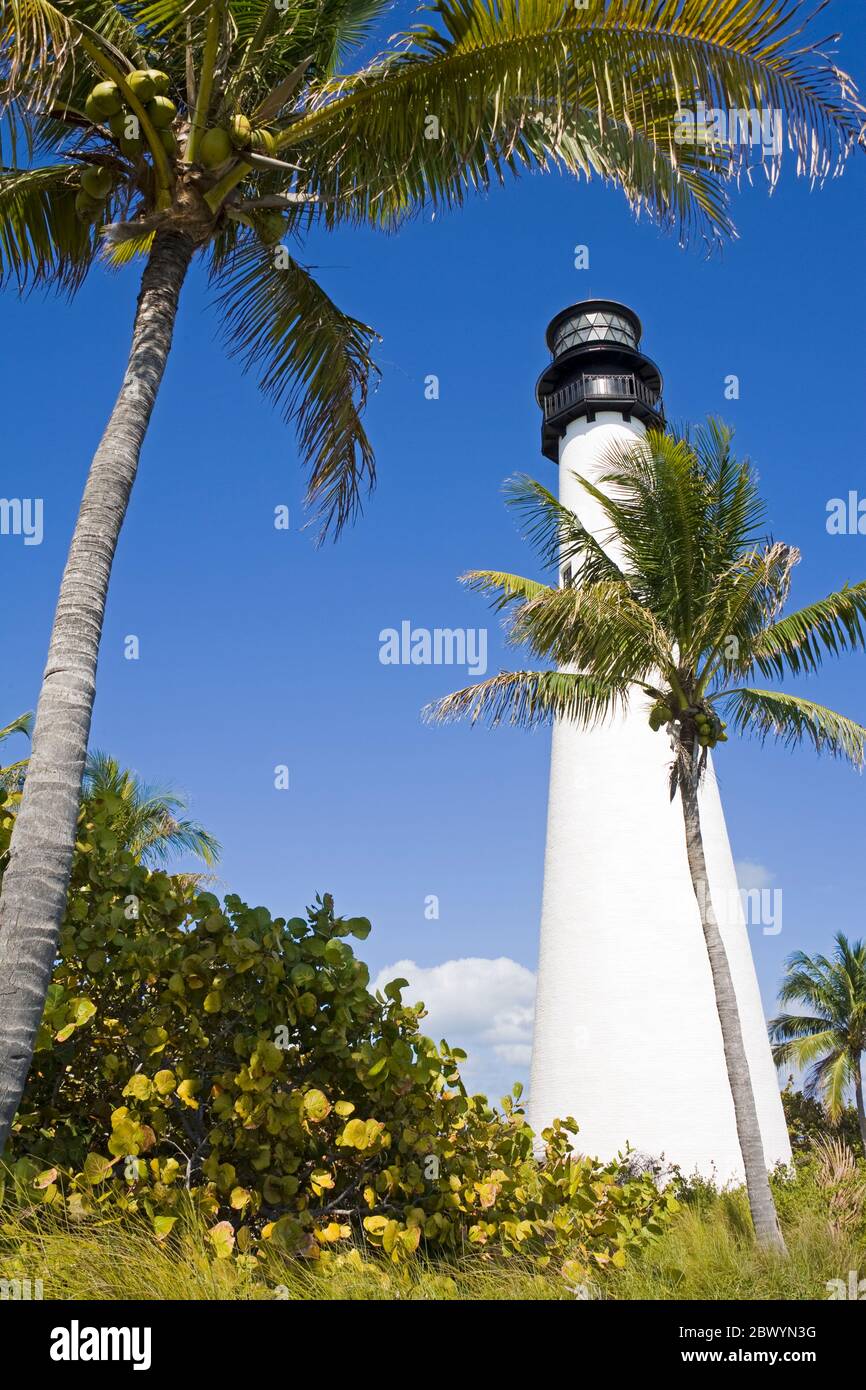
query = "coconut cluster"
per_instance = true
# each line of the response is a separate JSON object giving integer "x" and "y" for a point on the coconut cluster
{"x": 710, "y": 729}
{"x": 219, "y": 142}
{"x": 106, "y": 106}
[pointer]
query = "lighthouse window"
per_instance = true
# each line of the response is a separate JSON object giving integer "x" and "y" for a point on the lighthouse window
{"x": 594, "y": 327}
{"x": 566, "y": 576}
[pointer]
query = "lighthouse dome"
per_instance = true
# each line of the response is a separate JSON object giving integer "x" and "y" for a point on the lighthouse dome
{"x": 593, "y": 321}
{"x": 596, "y": 365}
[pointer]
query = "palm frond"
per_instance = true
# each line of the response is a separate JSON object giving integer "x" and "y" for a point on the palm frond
{"x": 166, "y": 838}
{"x": 42, "y": 240}
{"x": 802, "y": 1051}
{"x": 742, "y": 600}
{"x": 799, "y": 642}
{"x": 12, "y": 774}
{"x": 120, "y": 253}
{"x": 22, "y": 725}
{"x": 36, "y": 42}
{"x": 598, "y": 627}
{"x": 311, "y": 358}
{"x": 557, "y": 534}
{"x": 830, "y": 1078}
{"x": 505, "y": 588}
{"x": 600, "y": 74}
{"x": 531, "y": 698}
{"x": 794, "y": 720}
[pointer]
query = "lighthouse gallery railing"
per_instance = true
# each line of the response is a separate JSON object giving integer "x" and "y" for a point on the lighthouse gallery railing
{"x": 610, "y": 386}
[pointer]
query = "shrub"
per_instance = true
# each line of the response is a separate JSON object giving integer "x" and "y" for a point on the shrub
{"x": 808, "y": 1122}
{"x": 193, "y": 1052}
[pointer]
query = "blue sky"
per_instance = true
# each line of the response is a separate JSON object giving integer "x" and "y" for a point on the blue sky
{"x": 257, "y": 649}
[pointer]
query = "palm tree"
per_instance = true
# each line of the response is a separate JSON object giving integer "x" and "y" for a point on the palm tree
{"x": 144, "y": 818}
{"x": 690, "y": 612}
{"x": 179, "y": 129}
{"x": 831, "y": 1039}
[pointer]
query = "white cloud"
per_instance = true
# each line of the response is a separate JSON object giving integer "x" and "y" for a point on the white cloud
{"x": 753, "y": 876}
{"x": 483, "y": 1006}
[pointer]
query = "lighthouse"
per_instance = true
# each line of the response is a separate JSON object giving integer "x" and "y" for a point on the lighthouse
{"x": 627, "y": 1038}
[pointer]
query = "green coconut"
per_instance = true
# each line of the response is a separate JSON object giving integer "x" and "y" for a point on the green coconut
{"x": 214, "y": 148}
{"x": 659, "y": 714}
{"x": 131, "y": 146}
{"x": 161, "y": 111}
{"x": 270, "y": 227}
{"x": 160, "y": 81}
{"x": 168, "y": 139}
{"x": 105, "y": 98}
{"x": 87, "y": 208}
{"x": 142, "y": 83}
{"x": 97, "y": 182}
{"x": 240, "y": 132}
{"x": 264, "y": 141}
{"x": 117, "y": 124}
{"x": 93, "y": 111}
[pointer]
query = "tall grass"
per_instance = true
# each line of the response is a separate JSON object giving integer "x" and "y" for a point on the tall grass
{"x": 708, "y": 1253}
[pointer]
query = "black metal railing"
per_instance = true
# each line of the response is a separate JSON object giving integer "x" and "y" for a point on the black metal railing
{"x": 607, "y": 386}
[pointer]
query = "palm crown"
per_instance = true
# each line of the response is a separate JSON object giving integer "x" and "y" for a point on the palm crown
{"x": 830, "y": 1039}
{"x": 684, "y": 603}
{"x": 231, "y": 120}
{"x": 148, "y": 821}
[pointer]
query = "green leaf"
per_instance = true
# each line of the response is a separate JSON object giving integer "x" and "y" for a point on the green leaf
{"x": 96, "y": 1169}
{"x": 317, "y": 1107}
{"x": 139, "y": 1087}
{"x": 222, "y": 1238}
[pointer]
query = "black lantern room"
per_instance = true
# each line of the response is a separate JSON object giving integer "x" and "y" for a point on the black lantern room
{"x": 597, "y": 365}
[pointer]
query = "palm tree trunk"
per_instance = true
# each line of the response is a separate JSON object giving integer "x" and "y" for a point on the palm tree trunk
{"x": 858, "y": 1094}
{"x": 762, "y": 1206}
{"x": 33, "y": 900}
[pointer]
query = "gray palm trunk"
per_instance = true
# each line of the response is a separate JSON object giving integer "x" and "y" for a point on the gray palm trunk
{"x": 858, "y": 1094}
{"x": 35, "y": 883}
{"x": 761, "y": 1204}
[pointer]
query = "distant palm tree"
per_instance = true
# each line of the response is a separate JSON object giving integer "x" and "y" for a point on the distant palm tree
{"x": 176, "y": 129}
{"x": 145, "y": 818}
{"x": 831, "y": 1039}
{"x": 12, "y": 775}
{"x": 690, "y": 613}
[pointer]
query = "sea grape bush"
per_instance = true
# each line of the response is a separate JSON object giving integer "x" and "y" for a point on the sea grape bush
{"x": 193, "y": 1052}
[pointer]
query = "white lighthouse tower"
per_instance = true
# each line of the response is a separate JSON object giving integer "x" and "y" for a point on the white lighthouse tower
{"x": 627, "y": 1038}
